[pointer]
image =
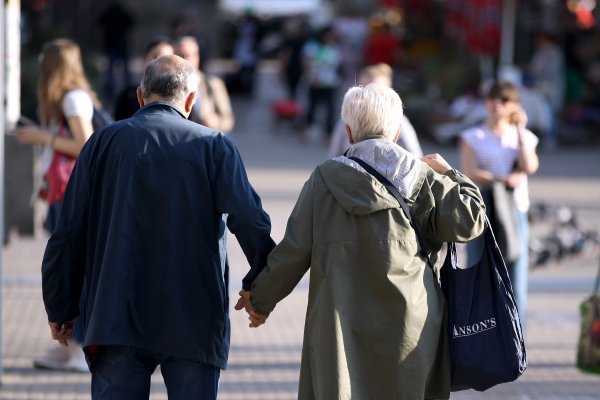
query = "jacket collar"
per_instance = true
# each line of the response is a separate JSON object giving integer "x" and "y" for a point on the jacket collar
{"x": 156, "y": 106}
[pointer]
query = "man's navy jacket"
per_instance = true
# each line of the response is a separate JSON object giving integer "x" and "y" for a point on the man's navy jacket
{"x": 144, "y": 221}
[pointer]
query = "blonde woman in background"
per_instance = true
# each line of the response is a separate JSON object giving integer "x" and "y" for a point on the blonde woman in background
{"x": 65, "y": 107}
{"x": 380, "y": 73}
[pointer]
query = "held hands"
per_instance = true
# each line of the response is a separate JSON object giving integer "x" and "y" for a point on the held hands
{"x": 436, "y": 163}
{"x": 255, "y": 318}
{"x": 61, "y": 332}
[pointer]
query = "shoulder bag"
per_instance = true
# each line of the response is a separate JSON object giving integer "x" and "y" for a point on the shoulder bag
{"x": 588, "y": 348}
{"x": 58, "y": 173}
{"x": 484, "y": 329}
{"x": 502, "y": 213}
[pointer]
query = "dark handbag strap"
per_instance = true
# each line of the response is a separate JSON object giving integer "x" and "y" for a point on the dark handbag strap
{"x": 394, "y": 192}
{"x": 597, "y": 285}
{"x": 594, "y": 298}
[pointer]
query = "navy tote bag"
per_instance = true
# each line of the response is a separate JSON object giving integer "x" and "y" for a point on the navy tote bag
{"x": 485, "y": 336}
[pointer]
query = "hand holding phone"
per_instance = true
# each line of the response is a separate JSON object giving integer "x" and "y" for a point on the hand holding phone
{"x": 32, "y": 134}
{"x": 519, "y": 118}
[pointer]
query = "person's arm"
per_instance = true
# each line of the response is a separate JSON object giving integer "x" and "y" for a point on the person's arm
{"x": 470, "y": 167}
{"x": 81, "y": 129}
{"x": 63, "y": 265}
{"x": 234, "y": 196}
{"x": 78, "y": 108}
{"x": 449, "y": 207}
{"x": 527, "y": 159}
{"x": 408, "y": 138}
{"x": 290, "y": 259}
{"x": 339, "y": 140}
{"x": 223, "y": 115}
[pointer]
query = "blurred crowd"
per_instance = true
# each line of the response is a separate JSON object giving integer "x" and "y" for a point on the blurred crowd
{"x": 319, "y": 58}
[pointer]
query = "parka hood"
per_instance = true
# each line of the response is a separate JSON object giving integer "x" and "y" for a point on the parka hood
{"x": 357, "y": 191}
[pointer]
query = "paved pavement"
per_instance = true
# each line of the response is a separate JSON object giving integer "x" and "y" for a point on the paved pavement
{"x": 264, "y": 362}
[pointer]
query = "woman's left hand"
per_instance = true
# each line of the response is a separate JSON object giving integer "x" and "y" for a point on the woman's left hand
{"x": 33, "y": 135}
{"x": 437, "y": 163}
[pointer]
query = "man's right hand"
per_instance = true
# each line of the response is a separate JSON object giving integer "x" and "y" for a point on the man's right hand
{"x": 61, "y": 332}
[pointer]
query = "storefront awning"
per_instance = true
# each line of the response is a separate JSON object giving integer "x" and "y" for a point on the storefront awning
{"x": 270, "y": 7}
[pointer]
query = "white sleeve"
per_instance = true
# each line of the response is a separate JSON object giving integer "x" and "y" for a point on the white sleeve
{"x": 531, "y": 139}
{"x": 470, "y": 137}
{"x": 408, "y": 138}
{"x": 339, "y": 140}
{"x": 78, "y": 103}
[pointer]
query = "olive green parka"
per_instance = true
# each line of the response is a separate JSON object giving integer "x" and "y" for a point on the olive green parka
{"x": 376, "y": 318}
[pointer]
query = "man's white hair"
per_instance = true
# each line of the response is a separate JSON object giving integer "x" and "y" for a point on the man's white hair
{"x": 372, "y": 110}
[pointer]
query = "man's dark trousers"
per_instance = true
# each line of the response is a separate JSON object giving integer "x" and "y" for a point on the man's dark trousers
{"x": 123, "y": 372}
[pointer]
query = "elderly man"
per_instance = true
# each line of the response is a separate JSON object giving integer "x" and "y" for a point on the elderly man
{"x": 143, "y": 230}
{"x": 375, "y": 323}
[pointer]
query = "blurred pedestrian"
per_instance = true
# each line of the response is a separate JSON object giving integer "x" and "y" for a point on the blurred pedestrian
{"x": 464, "y": 111}
{"x": 66, "y": 107}
{"x": 381, "y": 45}
{"x": 126, "y": 103}
{"x": 143, "y": 231}
{"x": 213, "y": 106}
{"x": 503, "y": 150}
{"x": 380, "y": 73}
{"x": 322, "y": 67}
{"x": 352, "y": 31}
{"x": 290, "y": 55}
{"x": 376, "y": 316}
{"x": 547, "y": 70}
{"x": 116, "y": 22}
{"x": 245, "y": 51}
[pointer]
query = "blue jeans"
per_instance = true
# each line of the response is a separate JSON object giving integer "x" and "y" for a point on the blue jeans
{"x": 123, "y": 372}
{"x": 518, "y": 271}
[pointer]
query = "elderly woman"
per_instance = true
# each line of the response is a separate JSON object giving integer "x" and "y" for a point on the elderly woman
{"x": 376, "y": 322}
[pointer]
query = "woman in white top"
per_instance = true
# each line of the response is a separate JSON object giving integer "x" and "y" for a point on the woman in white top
{"x": 502, "y": 149}
{"x": 65, "y": 107}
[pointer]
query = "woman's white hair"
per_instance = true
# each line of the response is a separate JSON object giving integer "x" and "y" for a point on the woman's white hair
{"x": 372, "y": 110}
